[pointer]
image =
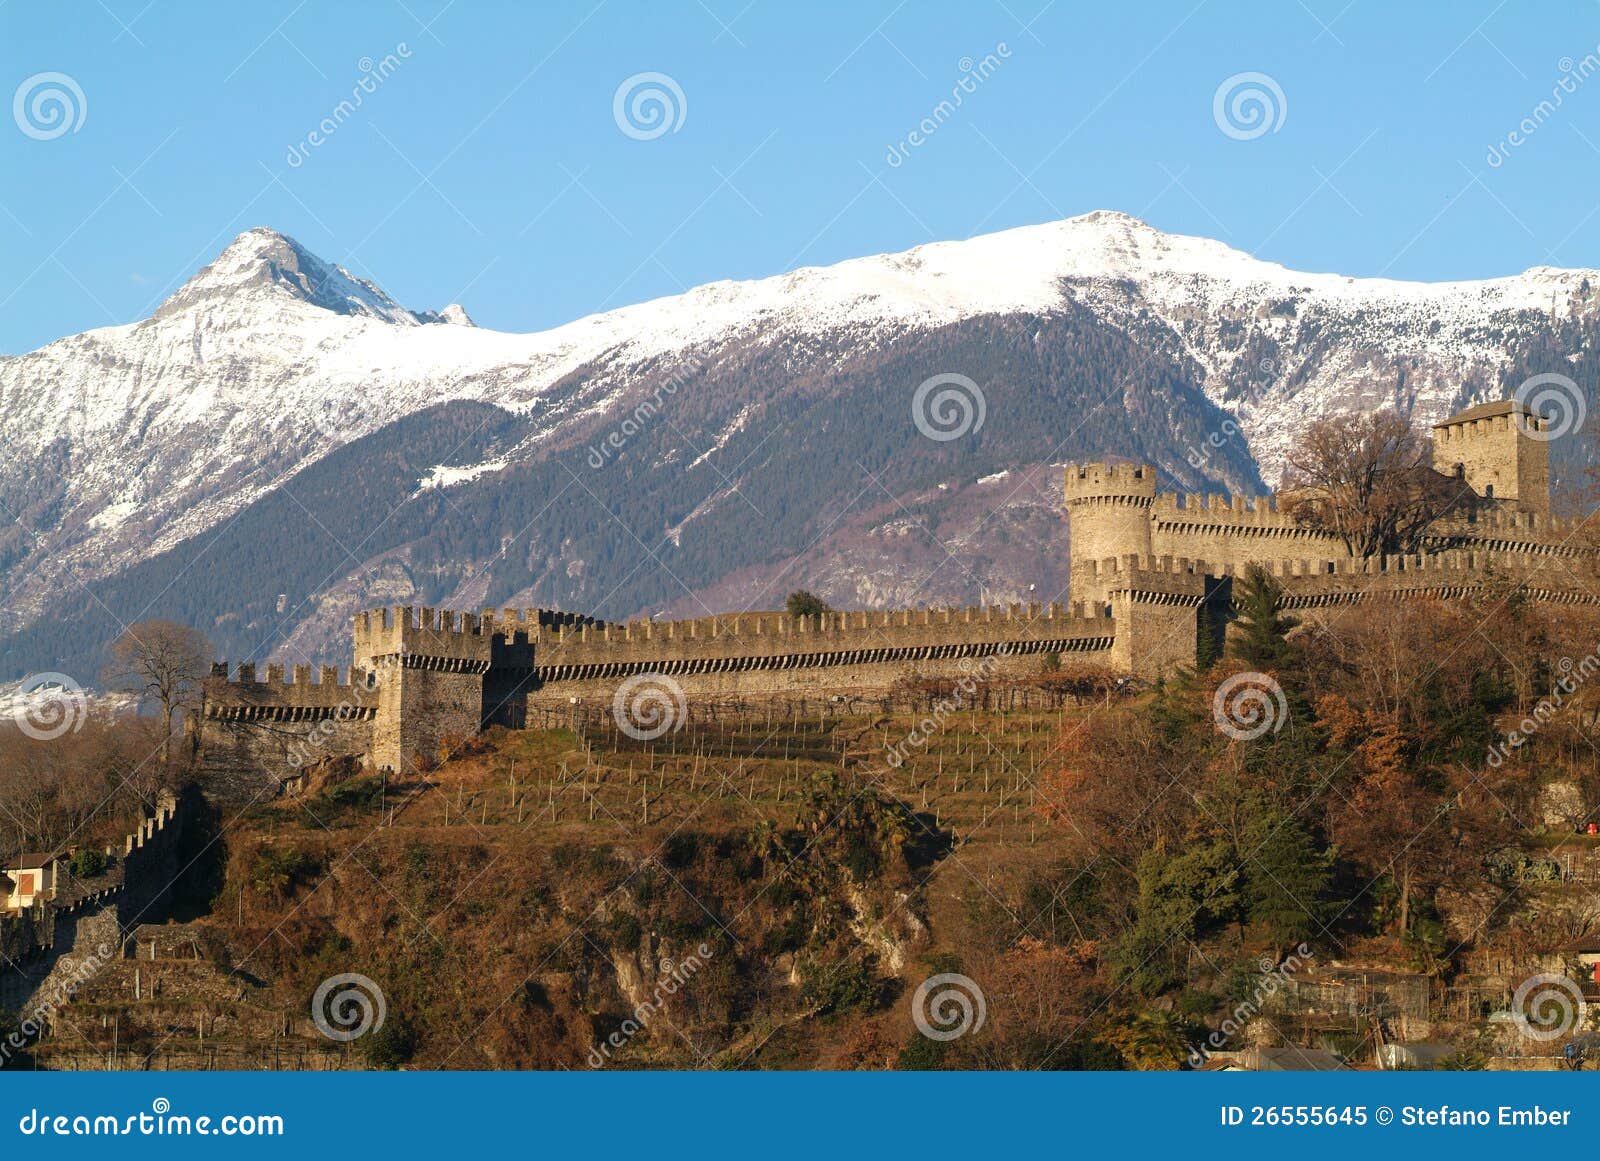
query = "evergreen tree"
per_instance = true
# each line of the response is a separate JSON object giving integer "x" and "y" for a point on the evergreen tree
{"x": 1181, "y": 898}
{"x": 1287, "y": 878}
{"x": 1258, "y": 636}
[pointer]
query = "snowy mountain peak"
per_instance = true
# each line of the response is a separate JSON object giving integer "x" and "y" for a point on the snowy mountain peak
{"x": 455, "y": 315}
{"x": 127, "y": 443}
{"x": 262, "y": 263}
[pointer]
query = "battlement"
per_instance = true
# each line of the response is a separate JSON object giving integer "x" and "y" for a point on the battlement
{"x": 443, "y": 639}
{"x": 292, "y": 697}
{"x": 1133, "y": 567}
{"x": 1246, "y": 514}
{"x": 1454, "y": 573}
{"x": 754, "y": 638}
{"x": 487, "y": 623}
{"x": 1250, "y": 512}
{"x": 1489, "y": 420}
{"x": 1117, "y": 483}
{"x": 1177, "y": 580}
{"x": 150, "y": 828}
{"x": 1510, "y": 524}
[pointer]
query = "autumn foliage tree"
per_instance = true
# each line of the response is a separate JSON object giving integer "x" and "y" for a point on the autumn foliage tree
{"x": 1365, "y": 479}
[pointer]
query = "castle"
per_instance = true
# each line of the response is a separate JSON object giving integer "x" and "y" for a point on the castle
{"x": 1144, "y": 564}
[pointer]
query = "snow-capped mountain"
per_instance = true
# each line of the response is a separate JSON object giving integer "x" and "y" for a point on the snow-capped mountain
{"x": 278, "y": 415}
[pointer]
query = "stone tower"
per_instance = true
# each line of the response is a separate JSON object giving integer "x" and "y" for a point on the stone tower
{"x": 429, "y": 678}
{"x": 1500, "y": 449}
{"x": 1109, "y": 508}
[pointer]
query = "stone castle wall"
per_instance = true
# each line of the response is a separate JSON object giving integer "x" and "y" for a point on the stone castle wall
{"x": 254, "y": 735}
{"x": 1230, "y": 533}
{"x": 1235, "y": 532}
{"x": 436, "y": 678}
{"x": 772, "y": 655}
{"x": 64, "y": 939}
{"x": 1146, "y": 567}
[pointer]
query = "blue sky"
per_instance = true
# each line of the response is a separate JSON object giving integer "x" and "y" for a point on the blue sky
{"x": 488, "y": 167}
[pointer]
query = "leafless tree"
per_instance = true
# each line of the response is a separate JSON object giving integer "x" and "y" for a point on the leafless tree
{"x": 162, "y": 662}
{"x": 1365, "y": 479}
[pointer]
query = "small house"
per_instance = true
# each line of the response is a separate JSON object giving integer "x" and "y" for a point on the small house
{"x": 30, "y": 876}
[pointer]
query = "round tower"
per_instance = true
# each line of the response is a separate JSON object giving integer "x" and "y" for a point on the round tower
{"x": 1108, "y": 506}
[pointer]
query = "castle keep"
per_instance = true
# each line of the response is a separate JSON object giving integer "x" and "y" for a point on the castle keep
{"x": 1143, "y": 566}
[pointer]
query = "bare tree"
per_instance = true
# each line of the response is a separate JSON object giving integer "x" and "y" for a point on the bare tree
{"x": 1365, "y": 479}
{"x": 164, "y": 663}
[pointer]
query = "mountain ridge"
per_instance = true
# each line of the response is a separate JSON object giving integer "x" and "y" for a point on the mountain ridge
{"x": 139, "y": 440}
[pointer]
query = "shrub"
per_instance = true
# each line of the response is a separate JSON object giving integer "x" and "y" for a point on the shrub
{"x": 680, "y": 849}
{"x": 392, "y": 1045}
{"x": 791, "y": 936}
{"x": 921, "y": 1054}
{"x": 838, "y": 986}
{"x": 279, "y": 871}
{"x": 625, "y": 931}
{"x": 802, "y": 603}
{"x": 88, "y": 862}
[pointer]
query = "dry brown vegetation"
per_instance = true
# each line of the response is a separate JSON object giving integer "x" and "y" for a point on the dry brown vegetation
{"x": 1106, "y": 865}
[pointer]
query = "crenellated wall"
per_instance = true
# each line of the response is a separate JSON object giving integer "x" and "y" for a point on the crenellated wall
{"x": 763, "y": 655}
{"x": 441, "y": 675}
{"x": 427, "y": 678}
{"x": 255, "y": 734}
{"x": 81, "y": 927}
{"x": 1108, "y": 501}
{"x": 1234, "y": 532}
{"x": 1151, "y": 572}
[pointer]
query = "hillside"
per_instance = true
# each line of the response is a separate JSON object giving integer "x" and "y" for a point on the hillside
{"x": 1114, "y": 876}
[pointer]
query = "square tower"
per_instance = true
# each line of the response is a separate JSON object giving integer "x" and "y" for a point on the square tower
{"x": 1501, "y": 450}
{"x": 428, "y": 675}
